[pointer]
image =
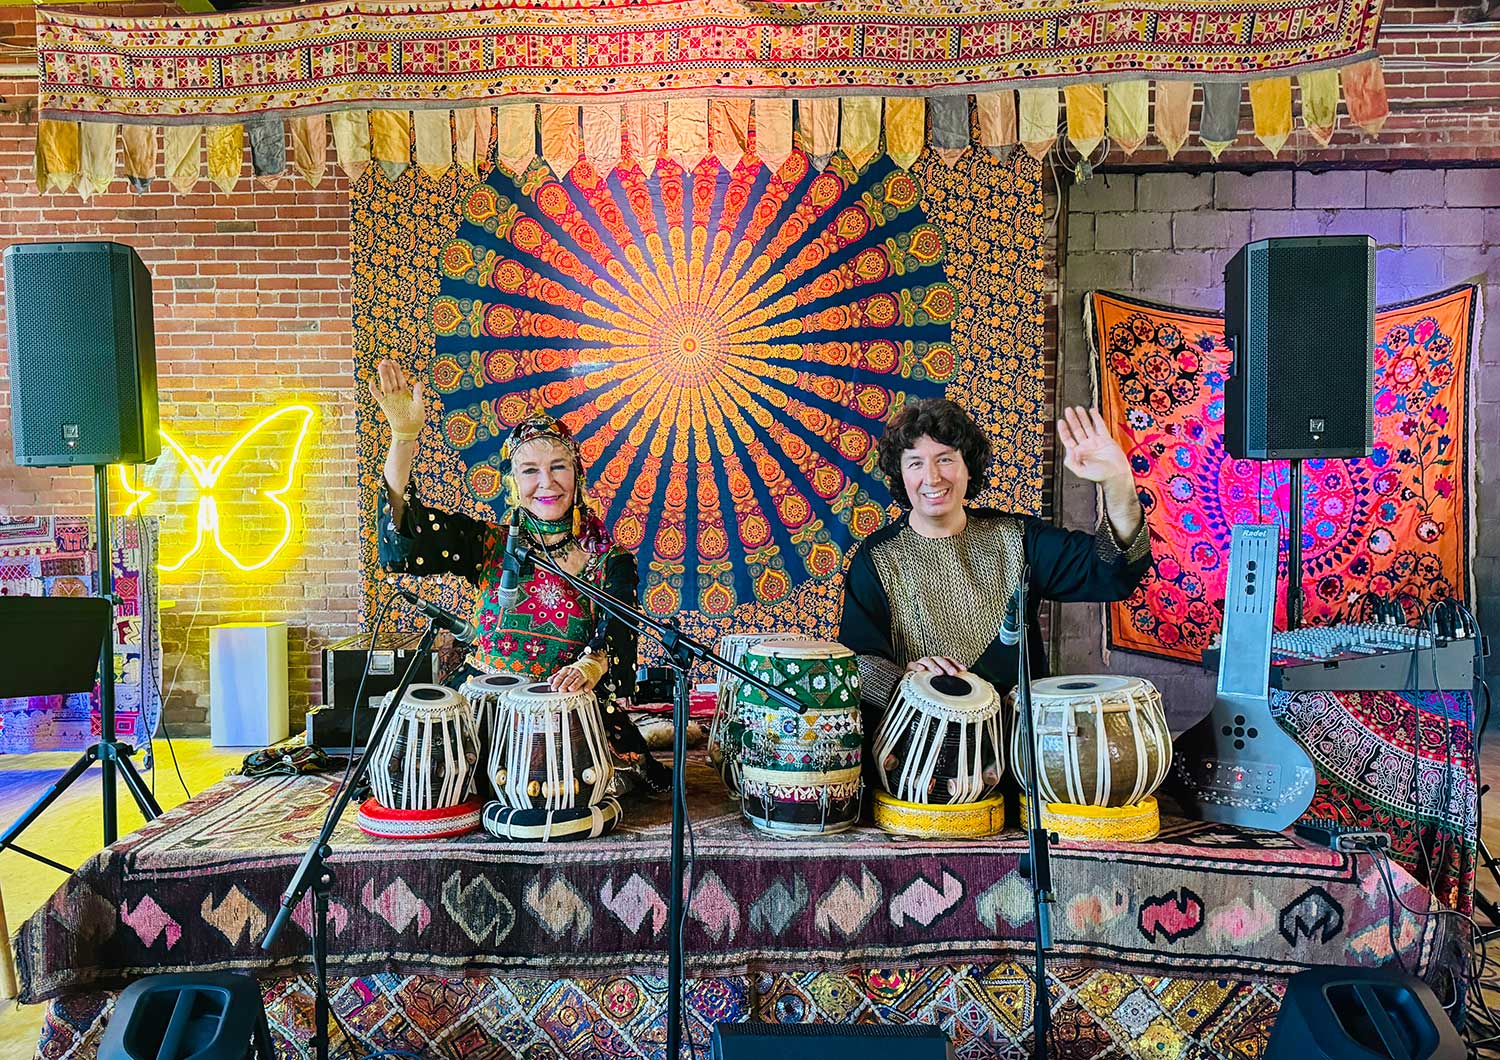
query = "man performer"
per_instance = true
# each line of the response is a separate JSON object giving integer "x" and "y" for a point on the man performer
{"x": 930, "y": 591}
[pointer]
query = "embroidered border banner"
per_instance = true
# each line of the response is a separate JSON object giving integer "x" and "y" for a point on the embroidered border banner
{"x": 335, "y": 56}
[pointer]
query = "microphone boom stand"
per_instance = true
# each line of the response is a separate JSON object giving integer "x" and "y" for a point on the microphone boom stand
{"x": 1036, "y": 863}
{"x": 684, "y": 652}
{"x": 314, "y": 871}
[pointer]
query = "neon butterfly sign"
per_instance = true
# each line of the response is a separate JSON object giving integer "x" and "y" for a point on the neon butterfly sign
{"x": 203, "y": 499}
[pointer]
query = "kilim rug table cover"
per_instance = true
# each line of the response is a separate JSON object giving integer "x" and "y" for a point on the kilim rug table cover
{"x": 196, "y": 889}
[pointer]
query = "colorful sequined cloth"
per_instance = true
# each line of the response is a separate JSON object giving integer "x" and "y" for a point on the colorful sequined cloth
{"x": 1400, "y": 763}
{"x": 985, "y": 1009}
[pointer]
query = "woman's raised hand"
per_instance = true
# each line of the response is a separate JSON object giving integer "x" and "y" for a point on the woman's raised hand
{"x": 400, "y": 399}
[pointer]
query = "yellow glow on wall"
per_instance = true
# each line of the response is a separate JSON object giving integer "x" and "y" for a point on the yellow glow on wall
{"x": 217, "y": 498}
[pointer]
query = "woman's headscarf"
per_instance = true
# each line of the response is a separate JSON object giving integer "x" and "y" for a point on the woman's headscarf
{"x": 588, "y": 528}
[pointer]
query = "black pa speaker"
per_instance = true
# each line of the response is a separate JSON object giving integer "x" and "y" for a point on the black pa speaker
{"x": 1361, "y": 1014}
{"x": 828, "y": 1041}
{"x": 82, "y": 355}
{"x": 1299, "y": 314}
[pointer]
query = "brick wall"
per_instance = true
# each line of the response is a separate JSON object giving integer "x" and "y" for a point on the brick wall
{"x": 1166, "y": 237}
{"x": 252, "y": 311}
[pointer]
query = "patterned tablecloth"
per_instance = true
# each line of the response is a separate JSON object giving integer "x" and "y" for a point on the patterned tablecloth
{"x": 197, "y": 888}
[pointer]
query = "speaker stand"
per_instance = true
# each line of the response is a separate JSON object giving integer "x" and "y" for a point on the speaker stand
{"x": 1294, "y": 548}
{"x": 112, "y": 755}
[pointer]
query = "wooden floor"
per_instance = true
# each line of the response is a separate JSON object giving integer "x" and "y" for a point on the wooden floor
{"x": 71, "y": 832}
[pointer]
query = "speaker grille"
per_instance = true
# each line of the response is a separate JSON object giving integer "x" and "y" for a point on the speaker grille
{"x": 81, "y": 348}
{"x": 1301, "y": 314}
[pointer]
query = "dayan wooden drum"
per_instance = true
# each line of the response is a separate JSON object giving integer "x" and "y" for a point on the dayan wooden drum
{"x": 939, "y": 747}
{"x": 942, "y": 740}
{"x": 800, "y": 773}
{"x": 549, "y": 751}
{"x": 726, "y": 731}
{"x": 485, "y": 692}
{"x": 422, "y": 770}
{"x": 1101, "y": 742}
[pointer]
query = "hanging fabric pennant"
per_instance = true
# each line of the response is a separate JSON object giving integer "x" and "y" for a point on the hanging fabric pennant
{"x": 351, "y": 142}
{"x": 226, "y": 155}
{"x": 1320, "y": 103}
{"x": 96, "y": 157}
{"x": 1271, "y": 107}
{"x": 464, "y": 155}
{"x": 562, "y": 142}
{"x": 58, "y": 155}
{"x": 645, "y": 124}
{"x": 729, "y": 131}
{"x": 390, "y": 141}
{"x": 1219, "y": 124}
{"x": 484, "y": 132}
{"x": 859, "y": 129}
{"x": 181, "y": 148}
{"x": 601, "y": 136}
{"x": 433, "y": 131}
{"x": 905, "y": 128}
{"x": 1038, "y": 120}
{"x": 950, "y": 127}
{"x": 818, "y": 122}
{"x": 515, "y": 136}
{"x": 310, "y": 147}
{"x": 998, "y": 131}
{"x": 1174, "y": 113}
{"x": 1129, "y": 108}
{"x": 687, "y": 132}
{"x": 140, "y": 155}
{"x": 267, "y": 148}
{"x": 1364, "y": 92}
{"x": 773, "y": 131}
{"x": 1085, "y": 105}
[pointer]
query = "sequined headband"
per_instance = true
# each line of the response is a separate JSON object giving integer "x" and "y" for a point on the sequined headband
{"x": 537, "y": 425}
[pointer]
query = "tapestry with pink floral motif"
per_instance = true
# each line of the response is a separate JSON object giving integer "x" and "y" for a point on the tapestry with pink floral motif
{"x": 1396, "y": 523}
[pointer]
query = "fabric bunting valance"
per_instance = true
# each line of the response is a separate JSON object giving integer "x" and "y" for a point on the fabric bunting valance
{"x": 428, "y": 53}
{"x": 83, "y": 154}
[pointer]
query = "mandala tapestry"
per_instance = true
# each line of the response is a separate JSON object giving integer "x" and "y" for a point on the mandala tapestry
{"x": 725, "y": 345}
{"x": 56, "y": 556}
{"x": 1397, "y": 522}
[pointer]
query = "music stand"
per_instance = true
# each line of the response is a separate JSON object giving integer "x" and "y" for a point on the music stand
{"x": 87, "y": 646}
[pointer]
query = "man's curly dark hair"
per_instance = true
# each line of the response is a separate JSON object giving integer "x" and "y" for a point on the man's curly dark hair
{"x": 943, "y": 421}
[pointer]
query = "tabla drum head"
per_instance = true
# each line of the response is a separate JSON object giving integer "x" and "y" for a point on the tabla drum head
{"x": 495, "y": 682}
{"x": 966, "y": 695}
{"x": 1084, "y": 685}
{"x": 799, "y": 648}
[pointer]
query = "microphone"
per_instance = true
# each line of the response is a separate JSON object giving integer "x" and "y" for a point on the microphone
{"x": 444, "y": 618}
{"x": 1010, "y": 629}
{"x": 509, "y": 590}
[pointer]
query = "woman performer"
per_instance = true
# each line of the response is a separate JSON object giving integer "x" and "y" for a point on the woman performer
{"x": 553, "y": 632}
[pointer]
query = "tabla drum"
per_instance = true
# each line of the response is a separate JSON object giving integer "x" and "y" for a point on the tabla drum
{"x": 550, "y": 751}
{"x": 1102, "y": 742}
{"x": 800, "y": 773}
{"x": 726, "y": 731}
{"x": 941, "y": 741}
{"x": 425, "y": 762}
{"x": 484, "y": 693}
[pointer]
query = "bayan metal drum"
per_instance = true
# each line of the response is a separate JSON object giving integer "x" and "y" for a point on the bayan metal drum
{"x": 550, "y": 751}
{"x": 800, "y": 773}
{"x": 726, "y": 731}
{"x": 1101, "y": 743}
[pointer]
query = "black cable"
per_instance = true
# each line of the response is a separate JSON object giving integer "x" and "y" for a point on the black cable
{"x": 359, "y": 695}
